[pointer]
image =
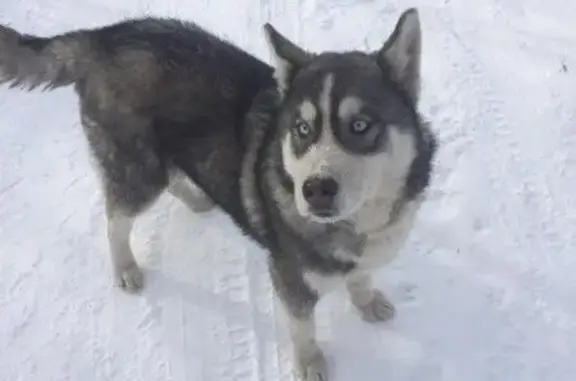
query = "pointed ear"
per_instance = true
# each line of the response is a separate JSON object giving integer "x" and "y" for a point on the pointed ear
{"x": 289, "y": 57}
{"x": 401, "y": 53}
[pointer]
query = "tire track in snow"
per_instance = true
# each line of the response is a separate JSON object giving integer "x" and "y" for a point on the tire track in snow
{"x": 207, "y": 301}
{"x": 171, "y": 309}
{"x": 242, "y": 363}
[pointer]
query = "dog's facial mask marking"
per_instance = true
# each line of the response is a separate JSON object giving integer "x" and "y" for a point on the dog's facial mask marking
{"x": 345, "y": 121}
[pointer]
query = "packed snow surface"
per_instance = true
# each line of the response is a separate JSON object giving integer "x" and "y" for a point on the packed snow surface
{"x": 485, "y": 289}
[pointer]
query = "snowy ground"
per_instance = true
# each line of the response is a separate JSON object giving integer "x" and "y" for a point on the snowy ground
{"x": 485, "y": 289}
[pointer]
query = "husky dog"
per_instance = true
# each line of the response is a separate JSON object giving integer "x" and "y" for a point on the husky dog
{"x": 322, "y": 159}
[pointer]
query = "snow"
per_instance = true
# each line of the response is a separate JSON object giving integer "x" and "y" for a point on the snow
{"x": 485, "y": 289}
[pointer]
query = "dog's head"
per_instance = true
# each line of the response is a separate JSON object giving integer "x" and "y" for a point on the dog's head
{"x": 347, "y": 120}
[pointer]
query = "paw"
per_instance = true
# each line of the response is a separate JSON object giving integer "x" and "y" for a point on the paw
{"x": 379, "y": 309}
{"x": 129, "y": 278}
{"x": 311, "y": 367}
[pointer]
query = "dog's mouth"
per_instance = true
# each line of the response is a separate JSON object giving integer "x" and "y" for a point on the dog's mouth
{"x": 324, "y": 215}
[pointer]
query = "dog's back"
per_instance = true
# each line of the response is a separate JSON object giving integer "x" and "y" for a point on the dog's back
{"x": 144, "y": 52}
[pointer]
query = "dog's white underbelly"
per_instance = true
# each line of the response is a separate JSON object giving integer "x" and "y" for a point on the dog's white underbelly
{"x": 382, "y": 246}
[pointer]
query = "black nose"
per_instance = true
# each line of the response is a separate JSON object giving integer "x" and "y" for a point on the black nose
{"x": 320, "y": 193}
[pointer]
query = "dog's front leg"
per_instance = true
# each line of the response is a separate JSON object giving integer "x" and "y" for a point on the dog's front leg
{"x": 372, "y": 304}
{"x": 308, "y": 357}
{"x": 299, "y": 303}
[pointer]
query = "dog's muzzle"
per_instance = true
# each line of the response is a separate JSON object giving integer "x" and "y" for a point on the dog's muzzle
{"x": 320, "y": 193}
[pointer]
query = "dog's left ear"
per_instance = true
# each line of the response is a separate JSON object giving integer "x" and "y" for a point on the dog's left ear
{"x": 400, "y": 55}
{"x": 289, "y": 57}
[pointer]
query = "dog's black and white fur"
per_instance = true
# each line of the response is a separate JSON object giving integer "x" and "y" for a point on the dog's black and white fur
{"x": 322, "y": 159}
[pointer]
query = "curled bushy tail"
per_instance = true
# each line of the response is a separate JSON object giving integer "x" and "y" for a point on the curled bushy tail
{"x": 30, "y": 61}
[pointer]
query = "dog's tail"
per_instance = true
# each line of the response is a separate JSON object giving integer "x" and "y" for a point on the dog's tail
{"x": 30, "y": 61}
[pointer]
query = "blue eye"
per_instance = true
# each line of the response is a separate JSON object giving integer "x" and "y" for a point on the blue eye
{"x": 359, "y": 126}
{"x": 302, "y": 128}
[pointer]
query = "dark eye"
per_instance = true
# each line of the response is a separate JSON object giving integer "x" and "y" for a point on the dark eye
{"x": 359, "y": 126}
{"x": 302, "y": 128}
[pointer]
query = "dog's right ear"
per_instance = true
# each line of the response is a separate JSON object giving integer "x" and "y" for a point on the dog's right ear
{"x": 289, "y": 57}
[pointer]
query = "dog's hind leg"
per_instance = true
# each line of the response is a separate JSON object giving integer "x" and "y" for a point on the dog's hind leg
{"x": 189, "y": 193}
{"x": 123, "y": 206}
{"x": 134, "y": 173}
{"x": 127, "y": 274}
{"x": 372, "y": 304}
{"x": 125, "y": 201}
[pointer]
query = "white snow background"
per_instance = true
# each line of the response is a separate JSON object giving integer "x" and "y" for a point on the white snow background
{"x": 485, "y": 289}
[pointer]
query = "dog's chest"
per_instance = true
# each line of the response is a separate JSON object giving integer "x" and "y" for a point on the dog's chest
{"x": 383, "y": 240}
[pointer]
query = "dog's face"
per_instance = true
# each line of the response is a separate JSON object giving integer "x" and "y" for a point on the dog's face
{"x": 347, "y": 120}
